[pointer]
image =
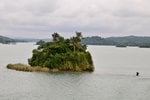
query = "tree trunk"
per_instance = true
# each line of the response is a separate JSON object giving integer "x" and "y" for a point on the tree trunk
{"x": 74, "y": 48}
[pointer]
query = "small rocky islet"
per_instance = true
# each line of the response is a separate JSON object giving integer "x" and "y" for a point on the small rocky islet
{"x": 59, "y": 55}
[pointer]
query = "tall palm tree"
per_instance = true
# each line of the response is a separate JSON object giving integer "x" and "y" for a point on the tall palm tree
{"x": 79, "y": 35}
{"x": 74, "y": 41}
{"x": 55, "y": 36}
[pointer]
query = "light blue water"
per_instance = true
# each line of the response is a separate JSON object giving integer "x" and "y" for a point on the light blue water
{"x": 114, "y": 77}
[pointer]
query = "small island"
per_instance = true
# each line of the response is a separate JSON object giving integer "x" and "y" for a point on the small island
{"x": 121, "y": 45}
{"x": 59, "y": 55}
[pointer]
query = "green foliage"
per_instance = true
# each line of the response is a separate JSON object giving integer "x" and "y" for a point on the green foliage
{"x": 65, "y": 55}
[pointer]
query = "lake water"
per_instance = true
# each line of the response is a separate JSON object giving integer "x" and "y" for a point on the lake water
{"x": 114, "y": 77}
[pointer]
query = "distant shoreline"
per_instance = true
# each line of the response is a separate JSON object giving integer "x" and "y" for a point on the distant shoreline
{"x": 136, "y": 41}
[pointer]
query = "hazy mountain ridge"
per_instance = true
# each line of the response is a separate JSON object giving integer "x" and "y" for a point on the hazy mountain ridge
{"x": 7, "y": 40}
{"x": 118, "y": 41}
{"x": 141, "y": 41}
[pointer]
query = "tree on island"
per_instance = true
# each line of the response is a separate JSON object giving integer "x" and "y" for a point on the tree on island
{"x": 63, "y": 54}
{"x": 79, "y": 35}
{"x": 57, "y": 37}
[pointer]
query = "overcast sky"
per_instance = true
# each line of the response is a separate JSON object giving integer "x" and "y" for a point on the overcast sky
{"x": 40, "y": 18}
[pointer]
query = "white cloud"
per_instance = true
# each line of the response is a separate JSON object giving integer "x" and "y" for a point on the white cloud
{"x": 24, "y": 17}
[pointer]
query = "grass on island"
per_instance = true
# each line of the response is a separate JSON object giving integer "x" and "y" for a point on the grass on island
{"x": 27, "y": 68}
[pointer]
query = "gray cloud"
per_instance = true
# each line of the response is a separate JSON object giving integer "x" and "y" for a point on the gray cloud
{"x": 41, "y": 17}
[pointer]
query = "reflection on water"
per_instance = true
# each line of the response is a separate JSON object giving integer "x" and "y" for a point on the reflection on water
{"x": 113, "y": 79}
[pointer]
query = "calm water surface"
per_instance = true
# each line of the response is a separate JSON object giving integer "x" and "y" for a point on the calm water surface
{"x": 114, "y": 77}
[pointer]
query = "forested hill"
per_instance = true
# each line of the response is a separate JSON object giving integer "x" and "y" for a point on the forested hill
{"x": 6, "y": 40}
{"x": 118, "y": 41}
